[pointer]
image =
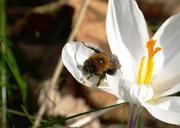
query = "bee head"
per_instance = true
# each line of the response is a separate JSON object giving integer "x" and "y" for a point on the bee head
{"x": 88, "y": 67}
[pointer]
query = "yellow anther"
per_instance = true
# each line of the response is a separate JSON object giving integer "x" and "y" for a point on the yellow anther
{"x": 141, "y": 71}
{"x": 149, "y": 70}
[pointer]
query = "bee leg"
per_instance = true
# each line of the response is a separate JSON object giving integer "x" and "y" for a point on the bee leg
{"x": 96, "y": 50}
{"x": 83, "y": 82}
{"x": 89, "y": 76}
{"x": 99, "y": 82}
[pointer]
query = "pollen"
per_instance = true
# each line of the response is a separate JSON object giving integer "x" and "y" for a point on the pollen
{"x": 147, "y": 64}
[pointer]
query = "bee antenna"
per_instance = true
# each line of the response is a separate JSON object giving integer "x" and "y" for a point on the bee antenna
{"x": 94, "y": 49}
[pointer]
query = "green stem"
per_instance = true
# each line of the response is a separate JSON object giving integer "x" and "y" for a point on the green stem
{"x": 133, "y": 116}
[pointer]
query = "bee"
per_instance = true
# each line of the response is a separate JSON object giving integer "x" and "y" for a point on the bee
{"x": 100, "y": 64}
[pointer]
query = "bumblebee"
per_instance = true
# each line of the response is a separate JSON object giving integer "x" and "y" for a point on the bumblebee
{"x": 100, "y": 64}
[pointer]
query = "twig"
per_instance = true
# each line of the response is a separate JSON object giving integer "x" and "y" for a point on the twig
{"x": 39, "y": 115}
{"x": 59, "y": 66}
{"x": 48, "y": 8}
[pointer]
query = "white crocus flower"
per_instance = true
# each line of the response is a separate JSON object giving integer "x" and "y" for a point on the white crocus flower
{"x": 149, "y": 71}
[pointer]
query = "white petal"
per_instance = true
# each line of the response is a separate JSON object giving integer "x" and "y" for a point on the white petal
{"x": 158, "y": 63}
{"x": 168, "y": 37}
{"x": 140, "y": 94}
{"x": 167, "y": 81}
{"x": 116, "y": 84}
{"x": 165, "y": 109}
{"x": 127, "y": 34}
{"x": 68, "y": 57}
{"x": 73, "y": 55}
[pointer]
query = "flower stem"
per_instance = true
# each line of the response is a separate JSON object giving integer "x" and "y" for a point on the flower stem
{"x": 133, "y": 116}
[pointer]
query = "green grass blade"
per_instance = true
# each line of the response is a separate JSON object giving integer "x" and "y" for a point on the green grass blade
{"x": 61, "y": 120}
{"x": 27, "y": 114}
{"x": 15, "y": 112}
{"x": 11, "y": 62}
{"x": 7, "y": 54}
{"x": 4, "y": 98}
{"x": 3, "y": 65}
{"x": 57, "y": 120}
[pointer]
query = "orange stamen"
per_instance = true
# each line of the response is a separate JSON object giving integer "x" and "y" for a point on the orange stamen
{"x": 150, "y": 47}
{"x": 157, "y": 50}
{"x": 147, "y": 65}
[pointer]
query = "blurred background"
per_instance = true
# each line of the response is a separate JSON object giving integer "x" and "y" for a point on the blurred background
{"x": 30, "y": 51}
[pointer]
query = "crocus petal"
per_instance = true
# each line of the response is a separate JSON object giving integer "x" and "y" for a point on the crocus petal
{"x": 165, "y": 109}
{"x": 158, "y": 62}
{"x": 116, "y": 84}
{"x": 127, "y": 34}
{"x": 140, "y": 94}
{"x": 73, "y": 55}
{"x": 119, "y": 86}
{"x": 167, "y": 81}
{"x": 168, "y": 37}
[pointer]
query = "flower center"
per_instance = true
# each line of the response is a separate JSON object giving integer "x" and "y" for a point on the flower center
{"x": 147, "y": 64}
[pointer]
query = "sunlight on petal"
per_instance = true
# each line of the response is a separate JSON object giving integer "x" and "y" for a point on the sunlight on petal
{"x": 127, "y": 34}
